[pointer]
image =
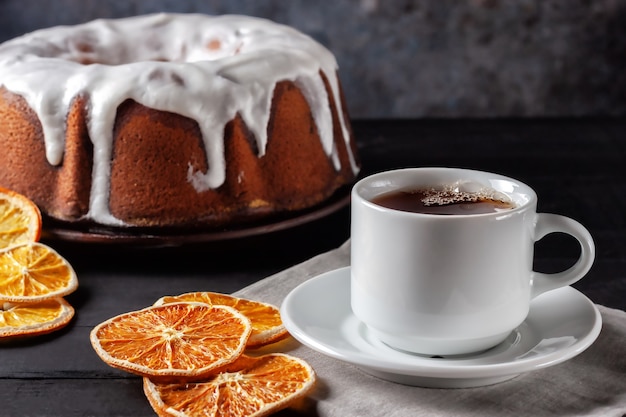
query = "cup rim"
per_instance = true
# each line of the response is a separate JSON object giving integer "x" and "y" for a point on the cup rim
{"x": 529, "y": 192}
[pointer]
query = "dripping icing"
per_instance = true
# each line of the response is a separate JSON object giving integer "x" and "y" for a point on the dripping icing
{"x": 193, "y": 65}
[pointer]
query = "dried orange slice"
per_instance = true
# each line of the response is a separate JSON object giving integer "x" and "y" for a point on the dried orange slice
{"x": 267, "y": 326}
{"x": 179, "y": 340}
{"x": 34, "y": 318}
{"x": 248, "y": 387}
{"x": 20, "y": 219}
{"x": 34, "y": 272}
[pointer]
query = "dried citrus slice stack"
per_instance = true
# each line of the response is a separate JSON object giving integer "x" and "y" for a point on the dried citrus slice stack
{"x": 267, "y": 326}
{"x": 33, "y": 280}
{"x": 249, "y": 387}
{"x": 189, "y": 349}
{"x": 178, "y": 340}
{"x": 20, "y": 219}
{"x": 33, "y": 277}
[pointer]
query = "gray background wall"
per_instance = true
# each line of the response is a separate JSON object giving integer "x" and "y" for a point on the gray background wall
{"x": 428, "y": 58}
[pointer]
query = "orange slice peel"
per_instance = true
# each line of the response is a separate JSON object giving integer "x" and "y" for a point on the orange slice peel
{"x": 20, "y": 219}
{"x": 250, "y": 387}
{"x": 33, "y": 319}
{"x": 34, "y": 272}
{"x": 174, "y": 341}
{"x": 267, "y": 326}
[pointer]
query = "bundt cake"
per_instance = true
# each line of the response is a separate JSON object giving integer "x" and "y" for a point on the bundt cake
{"x": 172, "y": 120}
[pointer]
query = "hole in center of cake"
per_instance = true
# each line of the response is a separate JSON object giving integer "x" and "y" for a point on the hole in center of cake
{"x": 87, "y": 48}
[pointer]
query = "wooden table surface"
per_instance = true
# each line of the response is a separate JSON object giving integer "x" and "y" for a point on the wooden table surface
{"x": 576, "y": 166}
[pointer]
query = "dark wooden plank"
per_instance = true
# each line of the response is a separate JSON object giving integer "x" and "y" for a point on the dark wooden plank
{"x": 89, "y": 397}
{"x": 63, "y": 354}
{"x": 53, "y": 397}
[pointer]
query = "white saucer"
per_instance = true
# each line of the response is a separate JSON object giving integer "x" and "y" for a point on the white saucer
{"x": 561, "y": 324}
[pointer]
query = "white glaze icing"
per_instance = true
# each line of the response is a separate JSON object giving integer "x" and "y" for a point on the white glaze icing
{"x": 203, "y": 67}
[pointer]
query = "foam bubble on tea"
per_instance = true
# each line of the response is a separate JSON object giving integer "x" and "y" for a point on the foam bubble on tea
{"x": 459, "y": 198}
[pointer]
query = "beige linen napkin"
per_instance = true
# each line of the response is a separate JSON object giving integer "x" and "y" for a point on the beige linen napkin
{"x": 591, "y": 384}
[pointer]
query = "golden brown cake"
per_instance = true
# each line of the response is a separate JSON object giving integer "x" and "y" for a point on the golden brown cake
{"x": 172, "y": 120}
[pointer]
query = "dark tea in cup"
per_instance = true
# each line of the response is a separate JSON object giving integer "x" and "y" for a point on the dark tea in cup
{"x": 444, "y": 201}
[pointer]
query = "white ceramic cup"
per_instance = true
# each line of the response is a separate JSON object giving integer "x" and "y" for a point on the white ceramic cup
{"x": 450, "y": 284}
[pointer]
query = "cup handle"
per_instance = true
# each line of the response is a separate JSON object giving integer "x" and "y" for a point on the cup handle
{"x": 553, "y": 223}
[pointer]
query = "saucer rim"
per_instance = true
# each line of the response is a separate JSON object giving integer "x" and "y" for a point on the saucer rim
{"x": 429, "y": 368}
